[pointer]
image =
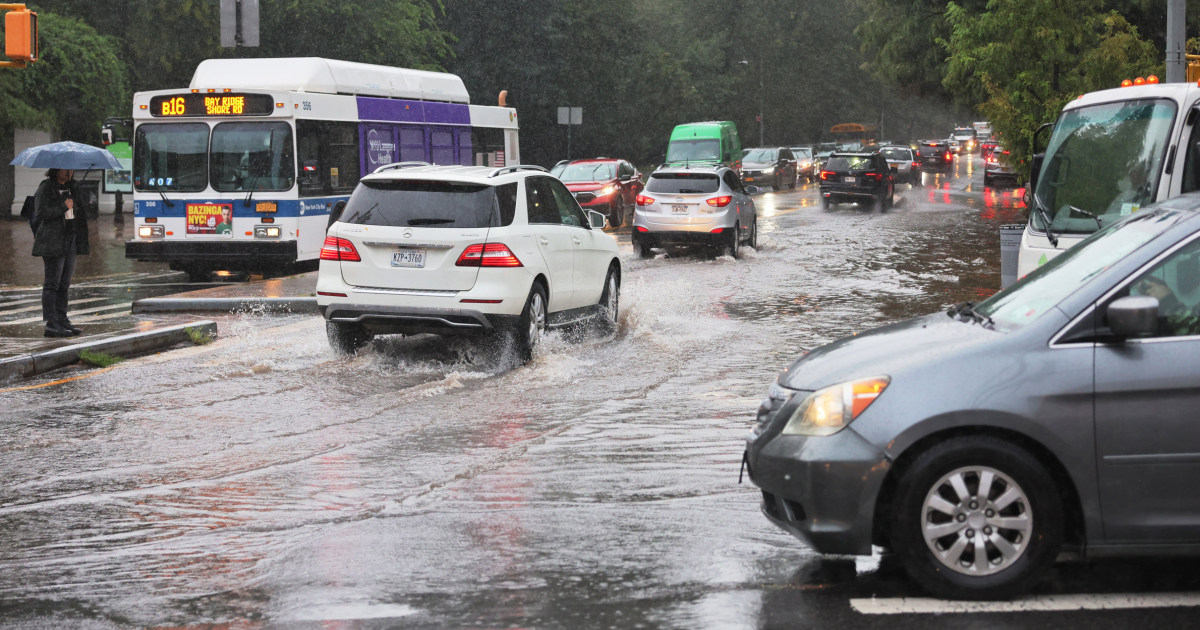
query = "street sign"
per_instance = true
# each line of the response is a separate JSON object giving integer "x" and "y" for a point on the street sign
{"x": 570, "y": 115}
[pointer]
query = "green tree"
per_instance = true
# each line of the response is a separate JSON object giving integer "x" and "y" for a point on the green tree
{"x": 1022, "y": 60}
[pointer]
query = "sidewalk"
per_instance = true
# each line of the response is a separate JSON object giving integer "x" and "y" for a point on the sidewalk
{"x": 29, "y": 356}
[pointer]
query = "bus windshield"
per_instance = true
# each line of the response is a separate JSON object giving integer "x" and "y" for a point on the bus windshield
{"x": 1102, "y": 163}
{"x": 250, "y": 156}
{"x": 170, "y": 157}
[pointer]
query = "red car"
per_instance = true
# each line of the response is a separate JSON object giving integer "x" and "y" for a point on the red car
{"x": 608, "y": 186}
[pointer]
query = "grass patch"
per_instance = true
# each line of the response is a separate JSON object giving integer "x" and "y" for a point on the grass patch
{"x": 198, "y": 337}
{"x": 98, "y": 359}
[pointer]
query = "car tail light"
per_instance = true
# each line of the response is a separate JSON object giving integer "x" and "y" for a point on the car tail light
{"x": 915, "y": 163}
{"x": 826, "y": 174}
{"x": 339, "y": 249}
{"x": 720, "y": 202}
{"x": 949, "y": 156}
{"x": 875, "y": 176}
{"x": 716, "y": 230}
{"x": 488, "y": 255}
{"x": 643, "y": 200}
{"x": 642, "y": 228}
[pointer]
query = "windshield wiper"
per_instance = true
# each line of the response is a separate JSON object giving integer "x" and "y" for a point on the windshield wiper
{"x": 1087, "y": 214}
{"x": 250, "y": 192}
{"x": 1037, "y": 207}
{"x": 159, "y": 190}
{"x": 967, "y": 309}
{"x": 429, "y": 221}
{"x": 365, "y": 215}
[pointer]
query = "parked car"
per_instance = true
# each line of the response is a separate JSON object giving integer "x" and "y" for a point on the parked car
{"x": 996, "y": 167}
{"x": 464, "y": 250}
{"x": 852, "y": 177}
{"x": 906, "y": 162}
{"x": 805, "y": 163}
{"x": 773, "y": 166}
{"x": 976, "y": 443}
{"x": 608, "y": 186}
{"x": 935, "y": 155}
{"x": 706, "y": 205}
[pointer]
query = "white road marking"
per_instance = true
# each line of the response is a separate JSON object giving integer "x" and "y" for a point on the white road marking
{"x": 82, "y": 314}
{"x": 1041, "y": 603}
{"x": 38, "y": 306}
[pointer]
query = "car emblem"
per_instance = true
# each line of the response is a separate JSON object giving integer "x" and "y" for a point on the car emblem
{"x": 679, "y": 199}
{"x": 407, "y": 233}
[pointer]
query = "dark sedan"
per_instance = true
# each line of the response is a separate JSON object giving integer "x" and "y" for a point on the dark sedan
{"x": 977, "y": 443}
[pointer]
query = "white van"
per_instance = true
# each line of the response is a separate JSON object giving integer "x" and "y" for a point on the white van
{"x": 1111, "y": 153}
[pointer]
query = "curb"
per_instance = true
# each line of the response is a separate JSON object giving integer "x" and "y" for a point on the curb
{"x": 27, "y": 365}
{"x": 266, "y": 304}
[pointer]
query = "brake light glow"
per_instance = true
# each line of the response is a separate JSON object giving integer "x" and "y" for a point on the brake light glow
{"x": 825, "y": 175}
{"x": 339, "y": 249}
{"x": 643, "y": 200}
{"x": 720, "y": 202}
{"x": 949, "y": 157}
{"x": 716, "y": 230}
{"x": 642, "y": 228}
{"x": 488, "y": 255}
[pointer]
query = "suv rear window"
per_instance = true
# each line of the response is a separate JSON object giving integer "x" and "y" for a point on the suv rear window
{"x": 683, "y": 183}
{"x": 411, "y": 203}
{"x": 849, "y": 163}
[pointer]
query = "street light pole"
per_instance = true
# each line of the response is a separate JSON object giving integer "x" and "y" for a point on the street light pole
{"x": 761, "y": 133}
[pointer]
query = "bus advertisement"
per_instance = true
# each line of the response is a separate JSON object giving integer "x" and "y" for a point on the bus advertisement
{"x": 242, "y": 170}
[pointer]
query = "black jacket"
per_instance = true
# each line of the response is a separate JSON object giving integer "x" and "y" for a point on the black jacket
{"x": 50, "y": 208}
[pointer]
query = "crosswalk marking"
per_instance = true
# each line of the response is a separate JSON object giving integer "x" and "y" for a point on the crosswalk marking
{"x": 1040, "y": 603}
{"x": 38, "y": 305}
{"x": 127, "y": 307}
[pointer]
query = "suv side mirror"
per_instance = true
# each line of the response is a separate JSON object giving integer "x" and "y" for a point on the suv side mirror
{"x": 595, "y": 220}
{"x": 1133, "y": 316}
{"x": 625, "y": 177}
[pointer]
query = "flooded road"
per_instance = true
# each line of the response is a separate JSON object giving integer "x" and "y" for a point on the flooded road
{"x": 262, "y": 480}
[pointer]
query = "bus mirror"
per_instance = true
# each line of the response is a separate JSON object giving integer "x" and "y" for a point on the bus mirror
{"x": 1191, "y": 116}
{"x": 1035, "y": 169}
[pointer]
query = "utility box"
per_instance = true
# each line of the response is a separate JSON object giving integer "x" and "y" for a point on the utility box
{"x": 21, "y": 35}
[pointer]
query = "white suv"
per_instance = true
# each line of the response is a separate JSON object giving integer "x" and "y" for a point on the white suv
{"x": 462, "y": 250}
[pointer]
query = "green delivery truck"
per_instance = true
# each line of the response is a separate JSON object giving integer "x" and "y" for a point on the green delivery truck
{"x": 714, "y": 142}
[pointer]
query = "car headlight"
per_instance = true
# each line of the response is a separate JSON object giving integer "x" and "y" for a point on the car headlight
{"x": 606, "y": 191}
{"x": 768, "y": 170}
{"x": 829, "y": 410}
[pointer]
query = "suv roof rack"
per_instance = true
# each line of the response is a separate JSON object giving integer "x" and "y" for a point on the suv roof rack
{"x": 516, "y": 167}
{"x": 399, "y": 165}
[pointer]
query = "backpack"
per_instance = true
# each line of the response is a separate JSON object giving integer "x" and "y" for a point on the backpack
{"x": 27, "y": 213}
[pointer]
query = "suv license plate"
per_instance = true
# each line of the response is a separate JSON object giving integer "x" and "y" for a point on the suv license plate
{"x": 408, "y": 258}
{"x": 849, "y": 180}
{"x": 679, "y": 209}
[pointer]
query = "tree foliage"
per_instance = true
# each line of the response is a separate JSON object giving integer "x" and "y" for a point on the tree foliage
{"x": 1020, "y": 61}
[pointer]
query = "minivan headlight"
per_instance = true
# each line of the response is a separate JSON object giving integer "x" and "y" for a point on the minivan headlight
{"x": 829, "y": 410}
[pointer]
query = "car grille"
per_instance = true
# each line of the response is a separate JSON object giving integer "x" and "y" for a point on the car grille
{"x": 584, "y": 197}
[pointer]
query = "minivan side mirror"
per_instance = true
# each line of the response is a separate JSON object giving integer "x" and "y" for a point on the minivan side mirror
{"x": 1133, "y": 316}
{"x": 596, "y": 221}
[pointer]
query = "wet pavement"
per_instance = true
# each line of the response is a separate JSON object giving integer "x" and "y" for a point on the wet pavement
{"x": 263, "y": 481}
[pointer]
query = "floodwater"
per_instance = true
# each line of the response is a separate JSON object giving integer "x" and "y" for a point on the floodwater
{"x": 262, "y": 480}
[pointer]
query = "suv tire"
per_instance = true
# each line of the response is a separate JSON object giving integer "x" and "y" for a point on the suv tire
{"x": 347, "y": 337}
{"x": 734, "y": 243}
{"x": 642, "y": 249}
{"x": 754, "y": 234}
{"x": 942, "y": 504}
{"x": 610, "y": 302}
{"x": 616, "y": 212}
{"x": 532, "y": 323}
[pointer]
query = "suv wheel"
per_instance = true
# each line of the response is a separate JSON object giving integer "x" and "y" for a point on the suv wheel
{"x": 532, "y": 323}
{"x": 754, "y": 234}
{"x": 778, "y": 183}
{"x": 976, "y": 518}
{"x": 616, "y": 210}
{"x": 733, "y": 243}
{"x": 610, "y": 303}
{"x": 792, "y": 182}
{"x": 641, "y": 248}
{"x": 347, "y": 337}
{"x": 825, "y": 202}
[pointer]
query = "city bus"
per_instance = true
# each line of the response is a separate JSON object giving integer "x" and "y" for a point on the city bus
{"x": 1110, "y": 153}
{"x": 242, "y": 170}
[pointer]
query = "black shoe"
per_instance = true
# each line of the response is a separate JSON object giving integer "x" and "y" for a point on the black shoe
{"x": 68, "y": 326}
{"x": 54, "y": 330}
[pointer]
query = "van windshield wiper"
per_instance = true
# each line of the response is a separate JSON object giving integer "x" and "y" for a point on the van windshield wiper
{"x": 967, "y": 310}
{"x": 1041, "y": 210}
{"x": 1087, "y": 214}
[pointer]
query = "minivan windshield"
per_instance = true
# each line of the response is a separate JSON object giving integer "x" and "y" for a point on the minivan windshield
{"x": 433, "y": 204}
{"x": 1028, "y": 299}
{"x": 683, "y": 183}
{"x": 1102, "y": 163}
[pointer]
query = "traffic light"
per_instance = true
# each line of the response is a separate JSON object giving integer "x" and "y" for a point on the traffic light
{"x": 20, "y": 34}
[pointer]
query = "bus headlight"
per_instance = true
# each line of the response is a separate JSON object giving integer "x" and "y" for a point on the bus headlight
{"x": 150, "y": 231}
{"x": 266, "y": 231}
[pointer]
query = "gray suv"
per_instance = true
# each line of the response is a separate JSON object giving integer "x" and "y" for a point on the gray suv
{"x": 978, "y": 442}
{"x": 695, "y": 205}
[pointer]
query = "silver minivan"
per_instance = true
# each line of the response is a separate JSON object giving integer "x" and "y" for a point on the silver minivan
{"x": 977, "y": 443}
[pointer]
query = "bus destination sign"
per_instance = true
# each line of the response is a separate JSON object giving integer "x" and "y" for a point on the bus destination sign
{"x": 226, "y": 104}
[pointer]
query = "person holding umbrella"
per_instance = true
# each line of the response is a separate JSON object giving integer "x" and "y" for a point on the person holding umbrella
{"x": 60, "y": 226}
{"x": 62, "y": 234}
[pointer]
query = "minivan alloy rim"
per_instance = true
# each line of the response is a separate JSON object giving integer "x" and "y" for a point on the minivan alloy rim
{"x": 976, "y": 521}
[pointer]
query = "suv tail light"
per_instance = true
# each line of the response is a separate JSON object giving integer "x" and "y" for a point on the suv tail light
{"x": 720, "y": 202}
{"x": 875, "y": 176}
{"x": 488, "y": 255}
{"x": 339, "y": 249}
{"x": 949, "y": 156}
{"x": 826, "y": 174}
{"x": 643, "y": 200}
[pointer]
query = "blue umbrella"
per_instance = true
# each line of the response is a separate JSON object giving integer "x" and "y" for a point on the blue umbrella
{"x": 68, "y": 155}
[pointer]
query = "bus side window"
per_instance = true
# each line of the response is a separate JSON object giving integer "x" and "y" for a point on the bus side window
{"x": 330, "y": 149}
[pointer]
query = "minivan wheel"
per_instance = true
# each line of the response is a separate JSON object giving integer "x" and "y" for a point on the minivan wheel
{"x": 347, "y": 337}
{"x": 976, "y": 517}
{"x": 610, "y": 303}
{"x": 532, "y": 323}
